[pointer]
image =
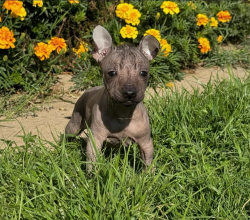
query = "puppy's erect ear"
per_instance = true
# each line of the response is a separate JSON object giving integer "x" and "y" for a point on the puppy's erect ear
{"x": 149, "y": 46}
{"x": 103, "y": 43}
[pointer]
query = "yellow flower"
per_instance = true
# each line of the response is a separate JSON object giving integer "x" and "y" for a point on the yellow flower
{"x": 224, "y": 16}
{"x": 129, "y": 32}
{"x": 7, "y": 39}
{"x": 128, "y": 13}
{"x": 122, "y": 9}
{"x": 214, "y": 22}
{"x": 0, "y": 19}
{"x": 19, "y": 12}
{"x": 153, "y": 32}
{"x": 201, "y": 19}
{"x": 170, "y": 7}
{"x": 166, "y": 47}
{"x": 38, "y": 3}
{"x": 43, "y": 50}
{"x": 191, "y": 4}
{"x": 219, "y": 39}
{"x": 13, "y": 5}
{"x": 204, "y": 45}
{"x": 82, "y": 49}
{"x": 73, "y": 1}
{"x": 170, "y": 84}
{"x": 58, "y": 44}
{"x": 133, "y": 17}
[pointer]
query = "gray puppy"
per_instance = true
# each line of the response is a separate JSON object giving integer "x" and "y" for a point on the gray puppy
{"x": 115, "y": 111}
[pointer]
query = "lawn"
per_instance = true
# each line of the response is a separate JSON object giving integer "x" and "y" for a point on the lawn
{"x": 202, "y": 161}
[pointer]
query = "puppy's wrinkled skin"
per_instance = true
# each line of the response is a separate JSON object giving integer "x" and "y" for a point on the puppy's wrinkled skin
{"x": 114, "y": 112}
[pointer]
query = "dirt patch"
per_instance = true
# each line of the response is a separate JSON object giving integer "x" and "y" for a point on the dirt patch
{"x": 51, "y": 121}
{"x": 47, "y": 123}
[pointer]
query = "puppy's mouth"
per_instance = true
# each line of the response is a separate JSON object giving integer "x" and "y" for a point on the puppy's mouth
{"x": 128, "y": 102}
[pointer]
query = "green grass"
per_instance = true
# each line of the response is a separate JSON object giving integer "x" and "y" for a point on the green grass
{"x": 201, "y": 156}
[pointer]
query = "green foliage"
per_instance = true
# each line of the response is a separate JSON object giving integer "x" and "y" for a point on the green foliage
{"x": 233, "y": 56}
{"x": 87, "y": 78}
{"x": 5, "y": 81}
{"x": 86, "y": 73}
{"x": 75, "y": 22}
{"x": 20, "y": 68}
{"x": 201, "y": 158}
{"x": 238, "y": 29}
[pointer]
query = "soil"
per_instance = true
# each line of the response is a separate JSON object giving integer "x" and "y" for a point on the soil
{"x": 50, "y": 122}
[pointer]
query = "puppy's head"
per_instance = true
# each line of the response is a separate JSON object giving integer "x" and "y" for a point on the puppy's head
{"x": 125, "y": 68}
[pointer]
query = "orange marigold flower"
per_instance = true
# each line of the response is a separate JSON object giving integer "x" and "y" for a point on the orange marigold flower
{"x": 133, "y": 17}
{"x": 170, "y": 7}
{"x": 38, "y": 3}
{"x": 0, "y": 19}
{"x": 13, "y": 5}
{"x": 204, "y": 45}
{"x": 43, "y": 50}
{"x": 82, "y": 49}
{"x": 18, "y": 12}
{"x": 129, "y": 32}
{"x": 122, "y": 9}
{"x": 153, "y": 32}
{"x": 214, "y": 22}
{"x": 219, "y": 39}
{"x": 224, "y": 16}
{"x": 7, "y": 39}
{"x": 58, "y": 44}
{"x": 73, "y": 1}
{"x": 166, "y": 47}
{"x": 201, "y": 19}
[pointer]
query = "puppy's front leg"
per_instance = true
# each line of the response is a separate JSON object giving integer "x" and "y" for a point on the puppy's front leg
{"x": 93, "y": 147}
{"x": 147, "y": 150}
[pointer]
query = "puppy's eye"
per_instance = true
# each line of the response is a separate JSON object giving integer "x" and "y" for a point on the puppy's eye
{"x": 112, "y": 73}
{"x": 143, "y": 73}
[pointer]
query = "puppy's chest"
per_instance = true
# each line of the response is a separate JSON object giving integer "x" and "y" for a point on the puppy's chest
{"x": 123, "y": 130}
{"x": 121, "y": 133}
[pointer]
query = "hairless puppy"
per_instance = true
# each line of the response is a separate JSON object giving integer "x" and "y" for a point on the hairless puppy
{"x": 115, "y": 112}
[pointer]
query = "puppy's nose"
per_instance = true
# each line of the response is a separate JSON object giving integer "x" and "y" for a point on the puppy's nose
{"x": 129, "y": 94}
{"x": 129, "y": 91}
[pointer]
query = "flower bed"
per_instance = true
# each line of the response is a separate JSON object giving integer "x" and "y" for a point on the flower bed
{"x": 40, "y": 38}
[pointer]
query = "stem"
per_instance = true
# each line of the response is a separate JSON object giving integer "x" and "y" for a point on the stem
{"x": 163, "y": 24}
